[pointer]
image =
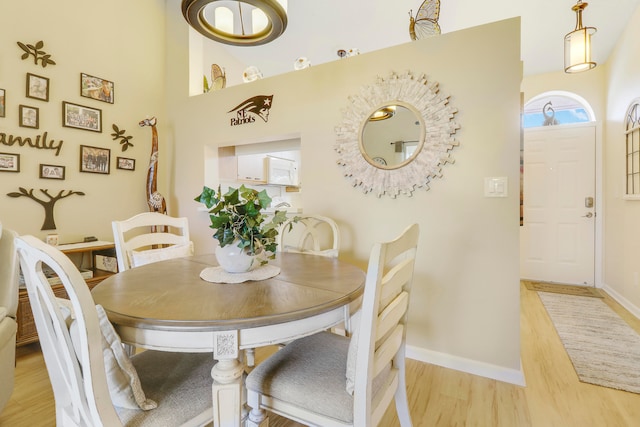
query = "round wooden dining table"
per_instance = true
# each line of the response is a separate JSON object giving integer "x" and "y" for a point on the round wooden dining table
{"x": 167, "y": 306}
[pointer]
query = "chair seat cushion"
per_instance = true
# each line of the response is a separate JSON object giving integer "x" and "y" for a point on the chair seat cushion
{"x": 308, "y": 373}
{"x": 179, "y": 382}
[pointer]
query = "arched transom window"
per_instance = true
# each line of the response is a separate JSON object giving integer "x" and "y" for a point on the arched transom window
{"x": 556, "y": 108}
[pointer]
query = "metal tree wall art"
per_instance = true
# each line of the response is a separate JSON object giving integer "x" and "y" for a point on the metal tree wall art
{"x": 155, "y": 200}
{"x": 119, "y": 135}
{"x": 38, "y": 54}
{"x": 49, "y": 221}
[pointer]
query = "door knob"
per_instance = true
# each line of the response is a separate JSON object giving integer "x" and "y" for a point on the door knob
{"x": 588, "y": 215}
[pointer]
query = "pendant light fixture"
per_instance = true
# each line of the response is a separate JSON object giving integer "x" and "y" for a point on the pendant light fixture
{"x": 237, "y": 22}
{"x": 577, "y": 44}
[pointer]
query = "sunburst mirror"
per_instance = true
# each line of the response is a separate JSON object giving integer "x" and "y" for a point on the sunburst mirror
{"x": 396, "y": 134}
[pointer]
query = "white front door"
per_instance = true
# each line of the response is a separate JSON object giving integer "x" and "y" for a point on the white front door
{"x": 558, "y": 233}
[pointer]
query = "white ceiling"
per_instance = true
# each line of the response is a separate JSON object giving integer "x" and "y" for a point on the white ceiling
{"x": 317, "y": 29}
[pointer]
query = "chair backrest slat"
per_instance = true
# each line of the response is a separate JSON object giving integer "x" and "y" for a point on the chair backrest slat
{"x": 147, "y": 230}
{"x": 387, "y": 350}
{"x": 394, "y": 281}
{"x": 382, "y": 401}
{"x": 382, "y": 334}
{"x": 313, "y": 234}
{"x": 392, "y": 315}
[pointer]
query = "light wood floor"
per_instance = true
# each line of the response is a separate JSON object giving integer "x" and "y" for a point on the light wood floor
{"x": 439, "y": 397}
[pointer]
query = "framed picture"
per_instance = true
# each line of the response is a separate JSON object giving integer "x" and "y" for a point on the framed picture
{"x": 3, "y": 101}
{"x": 126, "y": 164}
{"x": 52, "y": 171}
{"x": 96, "y": 88}
{"x": 81, "y": 117}
{"x": 37, "y": 87}
{"x": 9, "y": 162}
{"x": 94, "y": 159}
{"x": 29, "y": 117}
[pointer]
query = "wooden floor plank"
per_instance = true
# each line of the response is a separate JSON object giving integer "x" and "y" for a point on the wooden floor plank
{"x": 438, "y": 397}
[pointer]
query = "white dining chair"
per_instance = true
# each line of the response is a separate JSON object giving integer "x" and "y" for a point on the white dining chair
{"x": 315, "y": 235}
{"x": 329, "y": 380}
{"x": 310, "y": 234}
{"x": 94, "y": 382}
{"x": 150, "y": 237}
{"x": 9, "y": 284}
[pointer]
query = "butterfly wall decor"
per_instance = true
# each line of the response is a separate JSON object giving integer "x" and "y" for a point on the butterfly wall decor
{"x": 425, "y": 23}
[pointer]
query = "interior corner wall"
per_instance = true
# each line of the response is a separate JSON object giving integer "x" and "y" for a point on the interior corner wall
{"x": 123, "y": 42}
{"x": 622, "y": 224}
{"x": 465, "y": 303}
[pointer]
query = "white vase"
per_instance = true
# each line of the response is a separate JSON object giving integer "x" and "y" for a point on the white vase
{"x": 234, "y": 259}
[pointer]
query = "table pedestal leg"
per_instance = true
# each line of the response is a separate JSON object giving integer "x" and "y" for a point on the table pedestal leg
{"x": 227, "y": 381}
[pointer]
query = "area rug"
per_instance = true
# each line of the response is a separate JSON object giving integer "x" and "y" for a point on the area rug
{"x": 603, "y": 348}
{"x": 584, "y": 291}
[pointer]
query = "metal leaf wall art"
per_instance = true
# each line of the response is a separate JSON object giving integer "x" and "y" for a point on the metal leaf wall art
{"x": 38, "y": 54}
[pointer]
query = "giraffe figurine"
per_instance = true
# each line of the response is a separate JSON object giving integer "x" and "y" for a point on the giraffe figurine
{"x": 155, "y": 200}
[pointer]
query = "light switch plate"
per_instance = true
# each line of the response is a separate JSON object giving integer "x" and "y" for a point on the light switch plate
{"x": 496, "y": 186}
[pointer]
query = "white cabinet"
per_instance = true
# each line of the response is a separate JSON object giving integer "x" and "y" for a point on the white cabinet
{"x": 251, "y": 168}
{"x": 281, "y": 171}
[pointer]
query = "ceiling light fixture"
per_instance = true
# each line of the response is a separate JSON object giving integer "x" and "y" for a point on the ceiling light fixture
{"x": 577, "y": 44}
{"x": 239, "y": 22}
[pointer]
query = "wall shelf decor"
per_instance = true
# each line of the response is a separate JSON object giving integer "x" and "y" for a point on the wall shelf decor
{"x": 425, "y": 23}
{"x": 417, "y": 158}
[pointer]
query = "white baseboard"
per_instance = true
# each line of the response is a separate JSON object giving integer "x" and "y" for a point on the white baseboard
{"x": 633, "y": 309}
{"x": 512, "y": 376}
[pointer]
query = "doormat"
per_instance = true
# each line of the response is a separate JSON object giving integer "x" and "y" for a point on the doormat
{"x": 603, "y": 348}
{"x": 582, "y": 291}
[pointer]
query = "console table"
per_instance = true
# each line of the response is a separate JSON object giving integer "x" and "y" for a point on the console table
{"x": 77, "y": 252}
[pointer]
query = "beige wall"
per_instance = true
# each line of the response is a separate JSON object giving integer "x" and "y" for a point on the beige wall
{"x": 465, "y": 309}
{"x": 622, "y": 217}
{"x": 122, "y": 41}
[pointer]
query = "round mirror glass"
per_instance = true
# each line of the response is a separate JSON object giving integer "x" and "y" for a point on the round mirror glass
{"x": 392, "y": 135}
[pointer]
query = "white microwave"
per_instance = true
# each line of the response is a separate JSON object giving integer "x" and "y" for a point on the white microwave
{"x": 281, "y": 171}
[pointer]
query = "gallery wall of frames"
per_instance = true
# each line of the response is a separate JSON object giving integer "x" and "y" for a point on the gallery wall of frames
{"x": 97, "y": 95}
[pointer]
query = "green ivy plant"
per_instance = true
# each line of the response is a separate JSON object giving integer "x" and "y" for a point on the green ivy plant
{"x": 237, "y": 215}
